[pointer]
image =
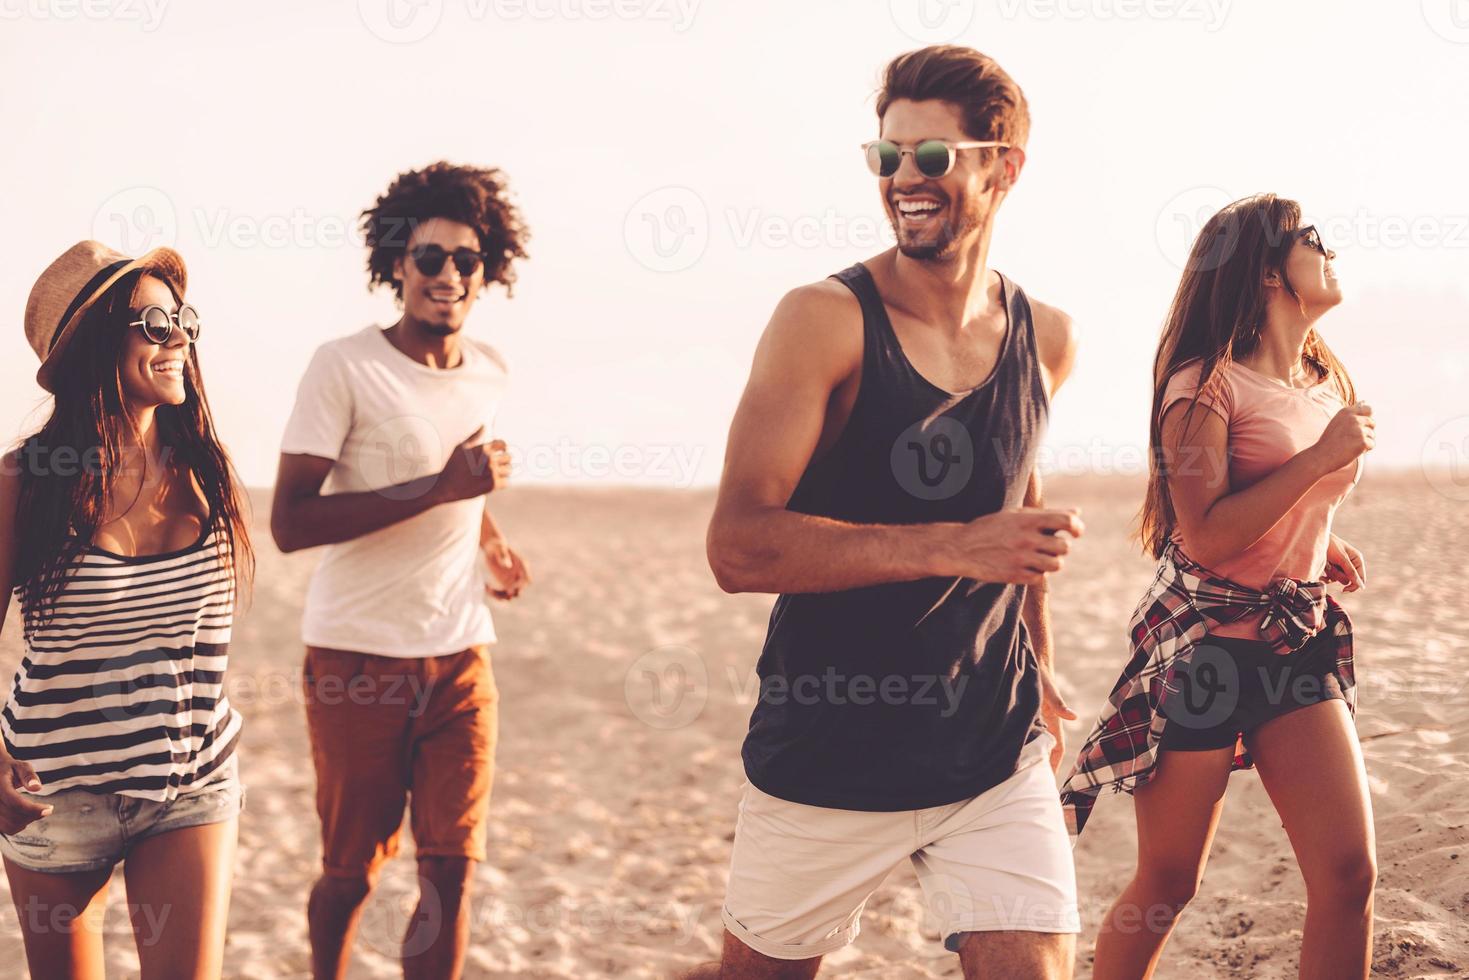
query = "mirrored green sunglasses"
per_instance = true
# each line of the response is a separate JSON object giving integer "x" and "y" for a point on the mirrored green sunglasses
{"x": 934, "y": 158}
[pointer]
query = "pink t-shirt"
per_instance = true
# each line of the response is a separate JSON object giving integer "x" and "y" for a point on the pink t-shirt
{"x": 1269, "y": 422}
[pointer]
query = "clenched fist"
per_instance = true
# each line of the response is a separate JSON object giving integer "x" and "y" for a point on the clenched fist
{"x": 1349, "y": 434}
{"x": 474, "y": 469}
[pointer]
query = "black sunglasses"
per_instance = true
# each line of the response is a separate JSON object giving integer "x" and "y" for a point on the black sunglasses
{"x": 1311, "y": 238}
{"x": 158, "y": 324}
{"x": 430, "y": 259}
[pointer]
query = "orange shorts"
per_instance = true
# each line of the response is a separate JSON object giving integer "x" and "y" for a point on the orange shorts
{"x": 393, "y": 731}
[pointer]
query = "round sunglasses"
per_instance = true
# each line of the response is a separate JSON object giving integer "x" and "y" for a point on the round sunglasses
{"x": 430, "y": 259}
{"x": 934, "y": 158}
{"x": 158, "y": 324}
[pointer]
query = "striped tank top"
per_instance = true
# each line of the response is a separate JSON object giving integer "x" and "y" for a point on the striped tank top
{"x": 121, "y": 689}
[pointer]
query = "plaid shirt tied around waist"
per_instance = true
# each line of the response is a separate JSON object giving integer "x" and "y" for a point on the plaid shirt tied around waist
{"x": 1172, "y": 619}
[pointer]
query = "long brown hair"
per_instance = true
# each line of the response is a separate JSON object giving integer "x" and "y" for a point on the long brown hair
{"x": 67, "y": 468}
{"x": 1216, "y": 318}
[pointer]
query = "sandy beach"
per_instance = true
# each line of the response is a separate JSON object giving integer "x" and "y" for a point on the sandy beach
{"x": 627, "y": 679}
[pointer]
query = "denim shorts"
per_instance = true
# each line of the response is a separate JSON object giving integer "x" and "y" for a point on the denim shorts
{"x": 89, "y": 831}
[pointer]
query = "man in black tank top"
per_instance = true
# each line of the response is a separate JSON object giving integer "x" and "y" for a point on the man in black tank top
{"x": 880, "y": 476}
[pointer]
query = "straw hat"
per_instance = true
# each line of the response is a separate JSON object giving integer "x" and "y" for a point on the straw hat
{"x": 72, "y": 283}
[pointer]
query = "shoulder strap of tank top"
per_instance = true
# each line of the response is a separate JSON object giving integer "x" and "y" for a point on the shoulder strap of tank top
{"x": 877, "y": 330}
{"x": 1023, "y": 352}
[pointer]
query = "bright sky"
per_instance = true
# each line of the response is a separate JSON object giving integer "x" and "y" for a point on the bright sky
{"x": 682, "y": 163}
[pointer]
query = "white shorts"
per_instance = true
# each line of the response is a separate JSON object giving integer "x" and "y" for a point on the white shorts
{"x": 800, "y": 875}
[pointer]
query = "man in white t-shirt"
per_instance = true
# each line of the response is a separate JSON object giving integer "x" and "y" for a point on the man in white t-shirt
{"x": 387, "y": 461}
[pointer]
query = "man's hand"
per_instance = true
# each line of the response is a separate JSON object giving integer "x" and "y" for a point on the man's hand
{"x": 1022, "y": 545}
{"x": 508, "y": 571}
{"x": 17, "y": 812}
{"x": 1053, "y": 709}
{"x": 1345, "y": 564}
{"x": 474, "y": 469}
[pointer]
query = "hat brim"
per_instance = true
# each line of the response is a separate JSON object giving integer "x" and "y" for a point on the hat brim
{"x": 163, "y": 262}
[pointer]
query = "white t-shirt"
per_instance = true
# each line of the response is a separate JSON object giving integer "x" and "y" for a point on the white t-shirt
{"x": 414, "y": 588}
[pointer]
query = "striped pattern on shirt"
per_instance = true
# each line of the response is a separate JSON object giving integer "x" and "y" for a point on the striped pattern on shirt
{"x": 121, "y": 689}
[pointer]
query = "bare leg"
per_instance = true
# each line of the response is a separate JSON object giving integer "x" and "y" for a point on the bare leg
{"x": 61, "y": 920}
{"x": 1177, "y": 813}
{"x": 438, "y": 934}
{"x": 332, "y": 913}
{"x": 178, "y": 885}
{"x": 1018, "y": 955}
{"x": 740, "y": 962}
{"x": 1311, "y": 765}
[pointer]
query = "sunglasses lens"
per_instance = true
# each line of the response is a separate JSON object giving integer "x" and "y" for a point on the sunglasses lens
{"x": 933, "y": 158}
{"x": 429, "y": 259}
{"x": 156, "y": 325}
{"x": 466, "y": 261}
{"x": 883, "y": 158}
{"x": 189, "y": 322}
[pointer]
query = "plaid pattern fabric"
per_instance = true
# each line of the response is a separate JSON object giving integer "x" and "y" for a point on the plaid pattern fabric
{"x": 1175, "y": 614}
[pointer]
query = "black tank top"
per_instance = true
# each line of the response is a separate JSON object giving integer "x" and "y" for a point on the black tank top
{"x": 908, "y": 694}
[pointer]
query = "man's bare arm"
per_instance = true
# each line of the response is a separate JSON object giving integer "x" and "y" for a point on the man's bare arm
{"x": 302, "y": 517}
{"x": 1056, "y": 348}
{"x": 1035, "y": 609}
{"x": 488, "y": 529}
{"x": 812, "y": 345}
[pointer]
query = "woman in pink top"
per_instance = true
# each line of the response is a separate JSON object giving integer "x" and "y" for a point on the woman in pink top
{"x": 1257, "y": 438}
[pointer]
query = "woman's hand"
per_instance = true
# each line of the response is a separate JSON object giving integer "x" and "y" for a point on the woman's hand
{"x": 1350, "y": 433}
{"x": 1345, "y": 564}
{"x": 17, "y": 812}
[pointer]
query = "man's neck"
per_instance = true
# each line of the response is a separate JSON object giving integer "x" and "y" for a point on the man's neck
{"x": 424, "y": 346}
{"x": 950, "y": 293}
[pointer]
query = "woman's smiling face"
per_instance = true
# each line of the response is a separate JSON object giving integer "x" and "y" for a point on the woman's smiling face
{"x": 153, "y": 374}
{"x": 1309, "y": 271}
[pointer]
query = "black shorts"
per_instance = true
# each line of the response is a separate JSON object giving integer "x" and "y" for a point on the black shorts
{"x": 1232, "y": 686}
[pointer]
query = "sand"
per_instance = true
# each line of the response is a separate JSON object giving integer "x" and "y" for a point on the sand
{"x": 627, "y": 679}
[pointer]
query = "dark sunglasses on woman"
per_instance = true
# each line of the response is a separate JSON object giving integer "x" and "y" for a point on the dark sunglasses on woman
{"x": 158, "y": 324}
{"x": 1311, "y": 238}
{"x": 430, "y": 259}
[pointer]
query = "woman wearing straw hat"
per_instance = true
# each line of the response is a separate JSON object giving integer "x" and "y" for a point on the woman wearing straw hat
{"x": 121, "y": 533}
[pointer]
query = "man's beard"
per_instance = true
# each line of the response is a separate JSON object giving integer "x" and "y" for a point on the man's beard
{"x": 940, "y": 247}
{"x": 437, "y": 329}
